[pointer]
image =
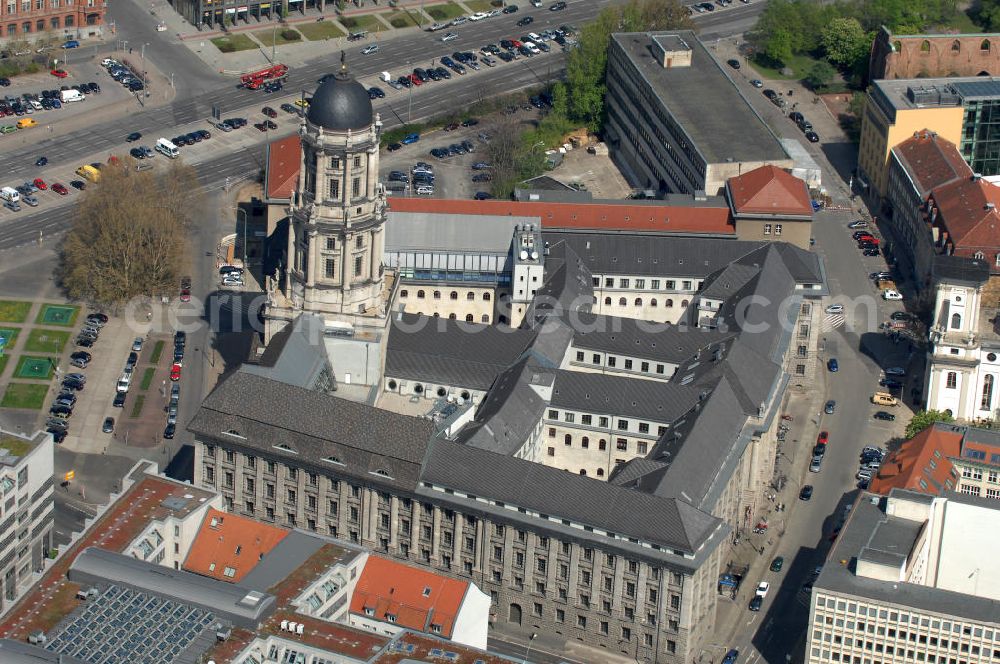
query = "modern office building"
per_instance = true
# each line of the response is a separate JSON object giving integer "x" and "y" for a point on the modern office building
{"x": 677, "y": 123}
{"x": 908, "y": 580}
{"x": 963, "y": 111}
{"x": 27, "y": 512}
{"x": 55, "y": 20}
{"x": 212, "y": 14}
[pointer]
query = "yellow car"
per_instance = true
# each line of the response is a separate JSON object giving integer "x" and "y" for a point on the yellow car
{"x": 302, "y": 103}
{"x": 24, "y": 123}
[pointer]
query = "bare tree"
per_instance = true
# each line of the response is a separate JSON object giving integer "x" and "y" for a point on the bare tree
{"x": 506, "y": 153}
{"x": 129, "y": 235}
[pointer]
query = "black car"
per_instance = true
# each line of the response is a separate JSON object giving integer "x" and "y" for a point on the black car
{"x": 756, "y": 603}
{"x": 58, "y": 435}
{"x": 527, "y": 20}
{"x": 890, "y": 384}
{"x": 119, "y": 401}
{"x": 510, "y": 9}
{"x": 882, "y": 415}
{"x": 180, "y": 338}
{"x": 395, "y": 146}
{"x": 109, "y": 425}
{"x": 80, "y": 358}
{"x": 375, "y": 93}
{"x": 204, "y": 133}
{"x": 873, "y": 251}
{"x": 64, "y": 411}
{"x": 97, "y": 318}
{"x": 901, "y": 316}
{"x": 168, "y": 432}
{"x": 75, "y": 385}
{"x": 735, "y": 64}
{"x": 812, "y": 137}
{"x": 41, "y": 161}
{"x": 443, "y": 73}
{"x": 288, "y": 108}
{"x": 830, "y": 407}
{"x": 137, "y": 153}
{"x": 770, "y": 94}
{"x": 806, "y": 493}
{"x": 558, "y": 6}
{"x": 178, "y": 353}
{"x": 85, "y": 342}
{"x": 470, "y": 122}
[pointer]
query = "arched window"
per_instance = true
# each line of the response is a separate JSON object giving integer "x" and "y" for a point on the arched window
{"x": 602, "y": 444}
{"x": 420, "y": 295}
{"x": 391, "y": 384}
{"x": 956, "y": 321}
{"x": 951, "y": 381}
{"x": 418, "y": 388}
{"x": 404, "y": 293}
{"x": 585, "y": 442}
{"x": 26, "y": 28}
{"x": 454, "y": 295}
{"x": 470, "y": 296}
{"x": 437, "y": 314}
{"x": 987, "y": 403}
{"x": 54, "y": 23}
{"x": 452, "y": 316}
{"x": 607, "y": 300}
{"x": 437, "y": 295}
{"x": 622, "y": 302}
{"x": 925, "y": 46}
{"x": 984, "y": 45}
{"x": 486, "y": 297}
{"x": 68, "y": 21}
{"x": 652, "y": 302}
{"x": 40, "y": 25}
{"x": 638, "y": 301}
{"x": 583, "y": 471}
{"x": 441, "y": 391}
{"x": 684, "y": 303}
{"x": 469, "y": 318}
{"x": 600, "y": 472}
{"x": 466, "y": 395}
{"x": 668, "y": 303}
{"x": 486, "y": 318}
{"x": 979, "y": 255}
{"x": 897, "y": 46}
{"x": 568, "y": 440}
{"x": 956, "y": 46}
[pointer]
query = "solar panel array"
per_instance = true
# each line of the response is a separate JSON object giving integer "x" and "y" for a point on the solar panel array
{"x": 124, "y": 625}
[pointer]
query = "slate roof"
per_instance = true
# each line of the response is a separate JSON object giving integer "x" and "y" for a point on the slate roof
{"x": 602, "y": 215}
{"x": 296, "y": 354}
{"x": 629, "y": 336}
{"x": 566, "y": 495}
{"x": 510, "y": 410}
{"x": 308, "y": 427}
{"x": 960, "y": 268}
{"x": 769, "y": 190}
{"x": 930, "y": 161}
{"x": 448, "y": 352}
{"x": 622, "y": 397}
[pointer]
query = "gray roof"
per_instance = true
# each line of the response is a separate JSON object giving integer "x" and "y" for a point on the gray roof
{"x": 17, "y": 652}
{"x": 750, "y": 374}
{"x": 567, "y": 285}
{"x": 623, "y": 397}
{"x": 891, "y": 541}
{"x": 704, "y": 101}
{"x": 804, "y": 266}
{"x": 238, "y": 605}
{"x": 340, "y": 103}
{"x": 296, "y": 354}
{"x": 310, "y": 427}
{"x": 841, "y": 578}
{"x": 292, "y": 551}
{"x": 427, "y": 231}
{"x": 560, "y": 494}
{"x": 657, "y": 341}
{"x": 448, "y": 352}
{"x": 509, "y": 412}
{"x": 958, "y": 269}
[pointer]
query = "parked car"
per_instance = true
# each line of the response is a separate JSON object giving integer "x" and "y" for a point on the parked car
{"x": 168, "y": 431}
{"x": 830, "y": 407}
{"x": 80, "y": 359}
{"x": 109, "y": 425}
{"x": 832, "y": 365}
{"x": 806, "y": 493}
{"x": 777, "y": 564}
{"x": 119, "y": 400}
{"x": 175, "y": 371}
{"x": 891, "y": 294}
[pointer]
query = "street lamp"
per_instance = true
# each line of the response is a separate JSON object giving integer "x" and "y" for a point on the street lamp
{"x": 527, "y": 650}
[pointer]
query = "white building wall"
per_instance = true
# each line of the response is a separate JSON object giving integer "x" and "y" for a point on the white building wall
{"x": 970, "y": 537}
{"x": 473, "y": 620}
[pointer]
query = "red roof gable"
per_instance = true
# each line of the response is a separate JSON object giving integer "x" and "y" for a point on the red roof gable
{"x": 931, "y": 161}
{"x": 585, "y": 216}
{"x": 283, "y": 161}
{"x": 967, "y": 211}
{"x": 923, "y": 458}
{"x": 417, "y": 598}
{"x": 769, "y": 190}
{"x": 229, "y": 541}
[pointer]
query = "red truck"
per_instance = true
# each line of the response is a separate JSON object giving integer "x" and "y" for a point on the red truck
{"x": 255, "y": 80}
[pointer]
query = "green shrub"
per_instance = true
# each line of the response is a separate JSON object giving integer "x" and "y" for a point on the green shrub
{"x": 349, "y": 22}
{"x": 225, "y": 47}
{"x": 290, "y": 35}
{"x": 399, "y": 22}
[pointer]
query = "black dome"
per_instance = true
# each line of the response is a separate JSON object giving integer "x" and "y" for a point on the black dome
{"x": 340, "y": 103}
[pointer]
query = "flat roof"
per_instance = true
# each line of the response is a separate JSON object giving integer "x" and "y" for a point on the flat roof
{"x": 936, "y": 92}
{"x": 704, "y": 100}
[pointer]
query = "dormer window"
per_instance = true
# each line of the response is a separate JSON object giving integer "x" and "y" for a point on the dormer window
{"x": 369, "y": 612}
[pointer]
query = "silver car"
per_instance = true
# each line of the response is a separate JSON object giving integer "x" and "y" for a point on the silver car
{"x": 816, "y": 464}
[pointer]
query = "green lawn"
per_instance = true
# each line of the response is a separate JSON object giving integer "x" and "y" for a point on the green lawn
{"x": 3, "y": 362}
{"x": 264, "y": 37}
{"x": 362, "y": 23}
{"x": 320, "y": 30}
{"x": 46, "y": 341}
{"x": 63, "y": 315}
{"x": 15, "y": 445}
{"x": 445, "y": 12}
{"x": 234, "y": 42}
{"x": 10, "y": 334}
{"x": 14, "y": 311}
{"x": 798, "y": 64}
{"x": 157, "y": 351}
{"x": 137, "y": 406}
{"x": 24, "y": 395}
{"x": 404, "y": 19}
{"x": 479, "y": 5}
{"x": 147, "y": 378}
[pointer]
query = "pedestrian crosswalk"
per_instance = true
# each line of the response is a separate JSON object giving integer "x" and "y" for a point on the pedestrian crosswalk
{"x": 832, "y": 322}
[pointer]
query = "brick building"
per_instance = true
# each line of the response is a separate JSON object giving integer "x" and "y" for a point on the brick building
{"x": 51, "y": 19}
{"x": 929, "y": 56}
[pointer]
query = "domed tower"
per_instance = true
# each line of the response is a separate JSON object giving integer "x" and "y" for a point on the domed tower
{"x": 336, "y": 226}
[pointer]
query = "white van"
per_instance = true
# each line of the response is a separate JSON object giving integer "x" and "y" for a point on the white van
{"x": 67, "y": 96}
{"x": 164, "y": 146}
{"x": 124, "y": 382}
{"x": 10, "y": 195}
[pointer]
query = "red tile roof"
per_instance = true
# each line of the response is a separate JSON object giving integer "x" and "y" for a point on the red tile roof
{"x": 931, "y": 161}
{"x": 283, "y": 161}
{"x": 769, "y": 190}
{"x": 921, "y": 464}
{"x": 230, "y": 541}
{"x": 967, "y": 211}
{"x": 586, "y": 216}
{"x": 416, "y": 597}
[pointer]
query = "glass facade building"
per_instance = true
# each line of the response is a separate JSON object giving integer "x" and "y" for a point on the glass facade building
{"x": 981, "y": 135}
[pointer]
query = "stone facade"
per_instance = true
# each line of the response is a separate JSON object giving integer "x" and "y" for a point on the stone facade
{"x": 929, "y": 56}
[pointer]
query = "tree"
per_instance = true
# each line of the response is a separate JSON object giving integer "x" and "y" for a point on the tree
{"x": 512, "y": 157}
{"x": 819, "y": 75}
{"x": 129, "y": 234}
{"x": 845, "y": 42}
{"x": 925, "y": 418}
